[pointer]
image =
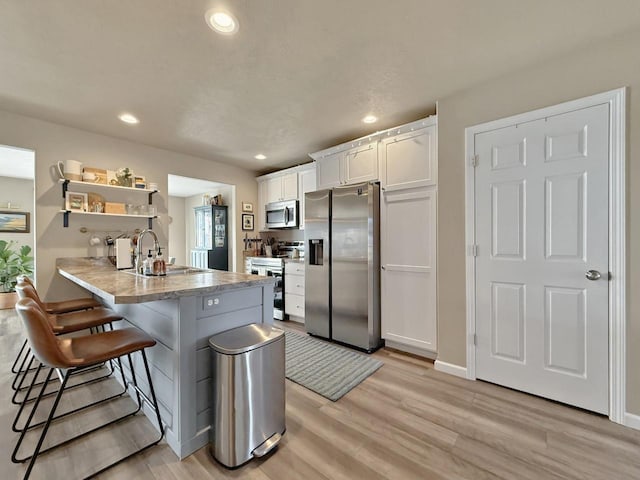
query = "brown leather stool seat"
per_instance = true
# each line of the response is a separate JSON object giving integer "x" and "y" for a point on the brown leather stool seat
{"x": 72, "y": 353}
{"x": 64, "y": 306}
{"x": 61, "y": 324}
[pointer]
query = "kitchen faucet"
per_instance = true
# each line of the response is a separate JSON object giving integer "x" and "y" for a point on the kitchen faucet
{"x": 156, "y": 246}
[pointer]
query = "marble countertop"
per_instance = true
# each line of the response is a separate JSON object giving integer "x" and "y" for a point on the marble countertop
{"x": 100, "y": 277}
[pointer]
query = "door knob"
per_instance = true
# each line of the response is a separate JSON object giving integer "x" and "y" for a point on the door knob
{"x": 592, "y": 275}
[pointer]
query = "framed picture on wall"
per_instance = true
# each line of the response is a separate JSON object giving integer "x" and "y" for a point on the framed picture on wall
{"x": 76, "y": 202}
{"x": 14, "y": 222}
{"x": 247, "y": 221}
{"x": 247, "y": 207}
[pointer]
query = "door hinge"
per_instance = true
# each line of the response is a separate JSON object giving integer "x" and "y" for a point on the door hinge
{"x": 473, "y": 250}
{"x": 474, "y": 160}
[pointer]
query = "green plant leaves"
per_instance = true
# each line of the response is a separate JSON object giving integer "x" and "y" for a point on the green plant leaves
{"x": 13, "y": 263}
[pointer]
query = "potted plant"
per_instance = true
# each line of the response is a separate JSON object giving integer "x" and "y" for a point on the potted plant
{"x": 14, "y": 261}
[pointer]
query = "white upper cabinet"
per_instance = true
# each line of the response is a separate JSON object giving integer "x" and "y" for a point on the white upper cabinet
{"x": 307, "y": 182}
{"x": 358, "y": 164}
{"x": 329, "y": 171}
{"x": 361, "y": 164}
{"x": 290, "y": 186}
{"x": 409, "y": 160}
{"x": 261, "y": 216}
{"x": 282, "y": 187}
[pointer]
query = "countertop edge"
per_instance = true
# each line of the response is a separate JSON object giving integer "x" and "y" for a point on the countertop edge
{"x": 165, "y": 295}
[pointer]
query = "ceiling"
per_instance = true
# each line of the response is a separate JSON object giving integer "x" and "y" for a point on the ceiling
{"x": 297, "y": 77}
{"x": 17, "y": 162}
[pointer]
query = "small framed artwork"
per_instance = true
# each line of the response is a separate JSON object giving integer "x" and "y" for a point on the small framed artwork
{"x": 14, "y": 222}
{"x": 76, "y": 202}
{"x": 247, "y": 221}
{"x": 247, "y": 207}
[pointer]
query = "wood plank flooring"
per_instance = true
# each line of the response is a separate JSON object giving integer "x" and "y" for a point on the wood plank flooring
{"x": 406, "y": 421}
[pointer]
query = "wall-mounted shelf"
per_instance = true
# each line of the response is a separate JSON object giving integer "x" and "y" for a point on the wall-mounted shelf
{"x": 65, "y": 187}
{"x": 123, "y": 215}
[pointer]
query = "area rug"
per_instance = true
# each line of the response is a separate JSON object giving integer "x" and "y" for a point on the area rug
{"x": 324, "y": 368}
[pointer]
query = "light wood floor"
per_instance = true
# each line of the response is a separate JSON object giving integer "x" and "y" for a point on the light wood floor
{"x": 406, "y": 421}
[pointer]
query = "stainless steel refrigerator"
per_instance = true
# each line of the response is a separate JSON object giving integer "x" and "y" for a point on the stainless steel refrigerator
{"x": 342, "y": 265}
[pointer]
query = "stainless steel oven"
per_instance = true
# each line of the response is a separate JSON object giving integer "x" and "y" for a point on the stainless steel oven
{"x": 282, "y": 214}
{"x": 272, "y": 267}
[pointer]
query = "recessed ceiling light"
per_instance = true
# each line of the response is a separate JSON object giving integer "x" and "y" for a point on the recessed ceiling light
{"x": 260, "y": 157}
{"x": 221, "y": 21}
{"x": 128, "y": 118}
{"x": 370, "y": 119}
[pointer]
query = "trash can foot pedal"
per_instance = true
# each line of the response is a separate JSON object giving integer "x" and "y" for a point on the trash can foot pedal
{"x": 268, "y": 445}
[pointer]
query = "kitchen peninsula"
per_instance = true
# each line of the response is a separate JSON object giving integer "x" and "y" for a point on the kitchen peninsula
{"x": 181, "y": 311}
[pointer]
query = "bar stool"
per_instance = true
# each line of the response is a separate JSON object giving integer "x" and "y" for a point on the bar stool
{"x": 65, "y": 306}
{"x": 60, "y": 324}
{"x": 69, "y": 355}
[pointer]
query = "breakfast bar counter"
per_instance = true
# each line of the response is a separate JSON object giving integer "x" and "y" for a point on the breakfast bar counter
{"x": 181, "y": 311}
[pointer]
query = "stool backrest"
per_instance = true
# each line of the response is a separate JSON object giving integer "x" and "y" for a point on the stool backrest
{"x": 25, "y": 279}
{"x": 26, "y": 290}
{"x": 44, "y": 344}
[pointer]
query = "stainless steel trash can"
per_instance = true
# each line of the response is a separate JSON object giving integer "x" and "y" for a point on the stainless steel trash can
{"x": 248, "y": 393}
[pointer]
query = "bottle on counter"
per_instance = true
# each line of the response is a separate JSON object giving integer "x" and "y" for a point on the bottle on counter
{"x": 159, "y": 265}
{"x": 147, "y": 265}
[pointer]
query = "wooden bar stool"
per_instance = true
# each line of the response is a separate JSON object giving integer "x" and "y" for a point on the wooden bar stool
{"x": 65, "y": 306}
{"x": 71, "y": 354}
{"x": 60, "y": 324}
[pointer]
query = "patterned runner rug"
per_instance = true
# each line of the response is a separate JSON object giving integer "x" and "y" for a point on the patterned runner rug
{"x": 325, "y": 368}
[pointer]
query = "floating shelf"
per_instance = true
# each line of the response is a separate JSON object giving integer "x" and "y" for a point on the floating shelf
{"x": 65, "y": 187}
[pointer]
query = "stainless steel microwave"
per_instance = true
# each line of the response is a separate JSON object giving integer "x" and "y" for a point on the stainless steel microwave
{"x": 282, "y": 214}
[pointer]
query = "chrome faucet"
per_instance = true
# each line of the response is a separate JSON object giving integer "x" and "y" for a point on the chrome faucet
{"x": 156, "y": 246}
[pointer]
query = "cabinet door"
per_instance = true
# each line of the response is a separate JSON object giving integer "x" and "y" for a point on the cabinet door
{"x": 361, "y": 164}
{"x": 408, "y": 247}
{"x": 307, "y": 181}
{"x": 289, "y": 186}
{"x": 329, "y": 171}
{"x": 262, "y": 201}
{"x": 409, "y": 160}
{"x": 274, "y": 189}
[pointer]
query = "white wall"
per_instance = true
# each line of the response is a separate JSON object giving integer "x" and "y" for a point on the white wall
{"x": 177, "y": 232}
{"x": 19, "y": 192}
{"x": 53, "y": 142}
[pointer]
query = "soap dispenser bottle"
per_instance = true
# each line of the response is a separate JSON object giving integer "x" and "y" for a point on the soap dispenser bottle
{"x": 159, "y": 265}
{"x": 147, "y": 265}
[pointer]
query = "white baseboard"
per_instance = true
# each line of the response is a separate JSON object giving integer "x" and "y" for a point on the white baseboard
{"x": 450, "y": 368}
{"x": 631, "y": 420}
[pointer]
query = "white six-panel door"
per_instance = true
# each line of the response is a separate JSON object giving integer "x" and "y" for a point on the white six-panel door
{"x": 541, "y": 196}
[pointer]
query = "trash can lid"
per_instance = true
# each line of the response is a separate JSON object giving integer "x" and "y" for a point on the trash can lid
{"x": 244, "y": 339}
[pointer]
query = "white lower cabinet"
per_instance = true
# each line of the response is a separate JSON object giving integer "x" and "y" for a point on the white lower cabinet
{"x": 294, "y": 291}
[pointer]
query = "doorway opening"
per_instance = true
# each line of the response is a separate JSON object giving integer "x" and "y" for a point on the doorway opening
{"x": 189, "y": 238}
{"x": 17, "y": 215}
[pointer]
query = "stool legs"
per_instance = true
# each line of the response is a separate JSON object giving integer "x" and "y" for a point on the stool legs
{"x": 140, "y": 397}
{"x": 15, "y": 362}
